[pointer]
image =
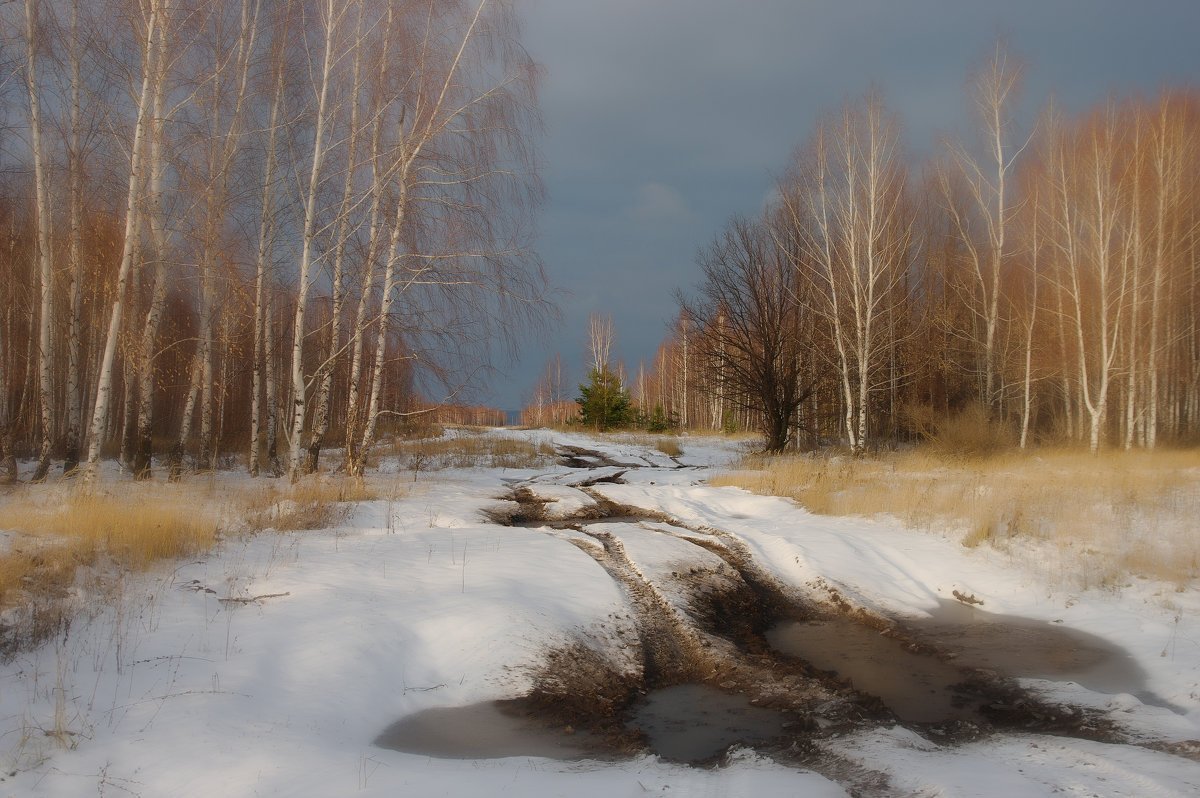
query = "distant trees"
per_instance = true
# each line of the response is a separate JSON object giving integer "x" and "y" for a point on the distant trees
{"x": 1051, "y": 280}
{"x": 209, "y": 179}
{"x": 976, "y": 194}
{"x": 603, "y": 401}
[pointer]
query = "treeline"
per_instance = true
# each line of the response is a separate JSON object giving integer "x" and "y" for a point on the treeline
{"x": 265, "y": 227}
{"x": 1043, "y": 281}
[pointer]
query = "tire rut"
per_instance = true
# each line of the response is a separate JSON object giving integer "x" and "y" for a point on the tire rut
{"x": 672, "y": 652}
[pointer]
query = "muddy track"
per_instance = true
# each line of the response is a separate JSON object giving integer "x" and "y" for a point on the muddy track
{"x": 719, "y": 637}
{"x": 672, "y": 651}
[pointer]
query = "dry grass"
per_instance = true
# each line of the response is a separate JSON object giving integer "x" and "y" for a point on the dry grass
{"x": 133, "y": 533}
{"x": 669, "y": 446}
{"x": 50, "y": 543}
{"x": 469, "y": 448}
{"x": 1108, "y": 517}
{"x": 50, "y": 535}
{"x": 315, "y": 502}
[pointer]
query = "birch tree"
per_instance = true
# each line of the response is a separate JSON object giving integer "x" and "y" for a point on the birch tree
{"x": 37, "y": 146}
{"x": 150, "y": 31}
{"x": 457, "y": 256}
{"x": 847, "y": 207}
{"x": 1094, "y": 275}
{"x": 331, "y": 16}
{"x": 995, "y": 90}
{"x": 266, "y": 233}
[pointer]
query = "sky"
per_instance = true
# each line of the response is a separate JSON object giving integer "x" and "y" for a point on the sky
{"x": 663, "y": 118}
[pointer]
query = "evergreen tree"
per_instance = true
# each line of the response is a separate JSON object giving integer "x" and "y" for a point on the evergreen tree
{"x": 604, "y": 402}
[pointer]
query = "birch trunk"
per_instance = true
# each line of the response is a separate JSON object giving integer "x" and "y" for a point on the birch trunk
{"x": 271, "y": 386}
{"x": 375, "y": 233}
{"x": 132, "y": 227}
{"x": 44, "y": 254}
{"x": 144, "y": 443}
{"x": 320, "y": 425}
{"x": 307, "y": 255}
{"x": 71, "y": 440}
{"x": 175, "y": 466}
{"x": 265, "y": 238}
{"x": 358, "y": 465}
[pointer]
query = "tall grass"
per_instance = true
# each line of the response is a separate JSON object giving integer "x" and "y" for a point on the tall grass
{"x": 315, "y": 502}
{"x": 50, "y": 543}
{"x": 133, "y": 532}
{"x": 1117, "y": 514}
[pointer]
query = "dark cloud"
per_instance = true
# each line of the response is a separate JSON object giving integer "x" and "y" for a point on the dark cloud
{"x": 664, "y": 117}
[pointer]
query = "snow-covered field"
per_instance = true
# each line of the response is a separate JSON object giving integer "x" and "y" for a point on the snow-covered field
{"x": 271, "y": 666}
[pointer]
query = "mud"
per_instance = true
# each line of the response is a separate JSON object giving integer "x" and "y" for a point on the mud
{"x": 916, "y": 688}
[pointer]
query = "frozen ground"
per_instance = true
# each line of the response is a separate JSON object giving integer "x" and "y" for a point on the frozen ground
{"x": 272, "y": 666}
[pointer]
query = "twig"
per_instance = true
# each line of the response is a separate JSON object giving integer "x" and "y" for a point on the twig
{"x": 252, "y": 599}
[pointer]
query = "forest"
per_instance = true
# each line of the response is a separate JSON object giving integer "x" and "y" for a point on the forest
{"x": 261, "y": 227}
{"x": 1042, "y": 282}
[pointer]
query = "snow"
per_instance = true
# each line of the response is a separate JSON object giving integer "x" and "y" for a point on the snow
{"x": 422, "y": 602}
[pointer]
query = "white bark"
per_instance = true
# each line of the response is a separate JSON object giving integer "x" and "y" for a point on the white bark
{"x": 44, "y": 254}
{"x": 132, "y": 228}
{"x": 265, "y": 238}
{"x": 320, "y": 426}
{"x": 330, "y": 20}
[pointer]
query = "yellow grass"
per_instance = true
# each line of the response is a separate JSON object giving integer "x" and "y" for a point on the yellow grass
{"x": 51, "y": 541}
{"x": 312, "y": 503}
{"x": 1115, "y": 515}
{"x": 133, "y": 532}
{"x": 471, "y": 450}
{"x": 669, "y": 446}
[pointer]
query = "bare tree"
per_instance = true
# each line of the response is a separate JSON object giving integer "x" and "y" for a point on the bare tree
{"x": 33, "y": 46}
{"x": 752, "y": 310}
{"x": 332, "y": 14}
{"x": 847, "y": 208}
{"x": 1093, "y": 273}
{"x": 990, "y": 206}
{"x": 150, "y": 30}
{"x": 457, "y": 258}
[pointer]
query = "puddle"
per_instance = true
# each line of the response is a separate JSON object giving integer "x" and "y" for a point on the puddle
{"x": 1026, "y": 647}
{"x": 490, "y": 730}
{"x": 917, "y": 688}
{"x": 694, "y": 722}
{"x": 923, "y": 689}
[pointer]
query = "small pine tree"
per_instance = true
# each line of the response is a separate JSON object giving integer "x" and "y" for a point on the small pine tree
{"x": 658, "y": 421}
{"x": 603, "y": 401}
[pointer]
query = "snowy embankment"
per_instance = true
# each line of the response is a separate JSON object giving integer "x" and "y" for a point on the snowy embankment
{"x": 271, "y": 666}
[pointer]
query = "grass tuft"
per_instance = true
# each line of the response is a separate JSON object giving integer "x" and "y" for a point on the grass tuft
{"x": 133, "y": 533}
{"x": 315, "y": 502}
{"x": 669, "y": 446}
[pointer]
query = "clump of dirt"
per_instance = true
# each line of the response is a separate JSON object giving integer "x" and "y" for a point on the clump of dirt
{"x": 576, "y": 688}
{"x": 1006, "y": 706}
